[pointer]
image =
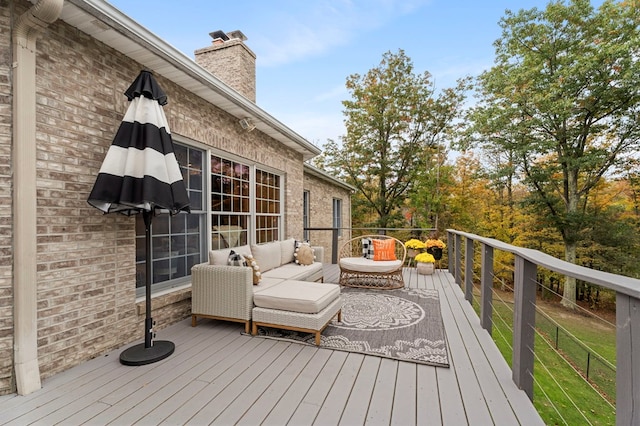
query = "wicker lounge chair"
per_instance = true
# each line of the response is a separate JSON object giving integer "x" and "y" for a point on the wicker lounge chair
{"x": 357, "y": 270}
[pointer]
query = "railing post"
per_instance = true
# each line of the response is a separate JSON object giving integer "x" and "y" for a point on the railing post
{"x": 627, "y": 360}
{"x": 486, "y": 288}
{"x": 458, "y": 272}
{"x": 334, "y": 246}
{"x": 468, "y": 270}
{"x": 450, "y": 247}
{"x": 524, "y": 321}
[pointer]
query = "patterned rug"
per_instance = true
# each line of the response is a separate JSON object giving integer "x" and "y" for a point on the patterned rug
{"x": 403, "y": 324}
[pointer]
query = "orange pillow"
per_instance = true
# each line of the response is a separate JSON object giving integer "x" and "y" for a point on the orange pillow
{"x": 384, "y": 249}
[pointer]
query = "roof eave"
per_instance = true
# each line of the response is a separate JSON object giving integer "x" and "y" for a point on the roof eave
{"x": 109, "y": 25}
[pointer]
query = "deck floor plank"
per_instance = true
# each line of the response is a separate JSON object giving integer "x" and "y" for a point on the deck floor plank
{"x": 404, "y": 399}
{"x": 382, "y": 397}
{"x": 334, "y": 404}
{"x": 312, "y": 402}
{"x": 355, "y": 411}
{"x": 470, "y": 382}
{"x": 162, "y": 385}
{"x": 428, "y": 409}
{"x": 502, "y": 386}
{"x": 234, "y": 411}
{"x": 263, "y": 405}
{"x": 286, "y": 406}
{"x": 221, "y": 375}
{"x": 241, "y": 385}
{"x": 218, "y": 374}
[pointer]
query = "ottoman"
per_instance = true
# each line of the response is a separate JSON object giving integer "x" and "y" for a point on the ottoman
{"x": 297, "y": 305}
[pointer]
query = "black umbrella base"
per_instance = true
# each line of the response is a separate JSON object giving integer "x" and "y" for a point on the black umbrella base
{"x": 139, "y": 355}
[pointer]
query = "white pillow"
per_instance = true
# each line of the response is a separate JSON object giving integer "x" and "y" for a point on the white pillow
{"x": 287, "y": 248}
{"x": 268, "y": 255}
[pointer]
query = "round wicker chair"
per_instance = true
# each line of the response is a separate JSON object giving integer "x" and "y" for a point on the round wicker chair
{"x": 359, "y": 269}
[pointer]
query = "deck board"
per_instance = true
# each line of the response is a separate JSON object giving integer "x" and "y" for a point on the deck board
{"x": 219, "y": 375}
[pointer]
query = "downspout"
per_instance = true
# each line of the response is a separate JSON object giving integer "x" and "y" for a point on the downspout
{"x": 25, "y": 313}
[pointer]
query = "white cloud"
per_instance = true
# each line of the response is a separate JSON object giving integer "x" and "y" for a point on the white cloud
{"x": 337, "y": 92}
{"x": 306, "y": 32}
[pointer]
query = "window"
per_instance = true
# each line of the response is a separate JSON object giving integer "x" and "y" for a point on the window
{"x": 244, "y": 206}
{"x": 177, "y": 242}
{"x": 337, "y": 215}
{"x": 230, "y": 201}
{"x": 305, "y": 214}
{"x": 267, "y": 206}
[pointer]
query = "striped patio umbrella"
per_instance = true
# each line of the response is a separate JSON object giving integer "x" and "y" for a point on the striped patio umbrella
{"x": 140, "y": 174}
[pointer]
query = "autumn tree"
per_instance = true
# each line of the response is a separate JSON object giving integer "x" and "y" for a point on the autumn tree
{"x": 393, "y": 115}
{"x": 563, "y": 96}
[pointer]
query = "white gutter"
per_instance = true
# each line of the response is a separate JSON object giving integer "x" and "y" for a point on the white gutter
{"x": 25, "y": 313}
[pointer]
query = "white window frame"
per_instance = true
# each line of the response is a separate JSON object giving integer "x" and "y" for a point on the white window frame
{"x": 207, "y": 212}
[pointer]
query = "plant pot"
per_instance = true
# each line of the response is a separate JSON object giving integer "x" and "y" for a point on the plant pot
{"x": 412, "y": 252}
{"x": 425, "y": 268}
{"x": 436, "y": 252}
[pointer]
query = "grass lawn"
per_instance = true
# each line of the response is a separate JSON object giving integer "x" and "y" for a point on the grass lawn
{"x": 562, "y": 395}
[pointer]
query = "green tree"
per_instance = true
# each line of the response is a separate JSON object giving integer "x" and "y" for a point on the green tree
{"x": 563, "y": 96}
{"x": 392, "y": 117}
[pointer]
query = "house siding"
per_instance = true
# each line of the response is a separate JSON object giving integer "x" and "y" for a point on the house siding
{"x": 86, "y": 260}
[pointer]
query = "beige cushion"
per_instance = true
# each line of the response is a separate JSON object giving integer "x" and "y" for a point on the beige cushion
{"x": 304, "y": 255}
{"x": 287, "y": 248}
{"x": 291, "y": 271}
{"x": 297, "y": 296}
{"x": 220, "y": 257}
{"x": 268, "y": 255}
{"x": 266, "y": 282}
{"x": 360, "y": 264}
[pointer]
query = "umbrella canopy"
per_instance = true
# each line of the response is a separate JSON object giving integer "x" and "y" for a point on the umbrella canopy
{"x": 140, "y": 171}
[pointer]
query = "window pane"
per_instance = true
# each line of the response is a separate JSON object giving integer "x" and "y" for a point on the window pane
{"x": 177, "y": 241}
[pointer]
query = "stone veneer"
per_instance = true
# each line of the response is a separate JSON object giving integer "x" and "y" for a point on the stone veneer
{"x": 86, "y": 260}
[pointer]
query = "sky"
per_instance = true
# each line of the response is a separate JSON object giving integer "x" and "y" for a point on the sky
{"x": 306, "y": 49}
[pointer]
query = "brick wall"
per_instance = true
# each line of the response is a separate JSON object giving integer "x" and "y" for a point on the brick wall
{"x": 86, "y": 260}
{"x": 321, "y": 195}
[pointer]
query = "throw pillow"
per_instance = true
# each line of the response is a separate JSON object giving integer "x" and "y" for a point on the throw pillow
{"x": 235, "y": 259}
{"x": 368, "y": 250}
{"x": 255, "y": 268}
{"x": 287, "y": 248}
{"x": 384, "y": 249}
{"x": 268, "y": 255}
{"x": 304, "y": 255}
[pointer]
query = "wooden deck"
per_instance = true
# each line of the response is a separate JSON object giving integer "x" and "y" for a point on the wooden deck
{"x": 219, "y": 376}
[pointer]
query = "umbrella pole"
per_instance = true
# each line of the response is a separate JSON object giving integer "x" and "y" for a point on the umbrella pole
{"x": 147, "y": 352}
{"x": 148, "y": 321}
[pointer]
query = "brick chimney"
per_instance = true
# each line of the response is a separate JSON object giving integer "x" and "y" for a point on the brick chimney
{"x": 229, "y": 59}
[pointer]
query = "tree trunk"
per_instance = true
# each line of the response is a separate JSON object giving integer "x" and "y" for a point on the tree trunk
{"x": 569, "y": 293}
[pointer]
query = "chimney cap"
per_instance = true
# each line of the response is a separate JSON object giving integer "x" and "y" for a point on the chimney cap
{"x": 219, "y": 34}
{"x": 237, "y": 34}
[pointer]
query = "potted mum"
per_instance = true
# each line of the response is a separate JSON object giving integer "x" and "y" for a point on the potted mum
{"x": 414, "y": 247}
{"x": 425, "y": 263}
{"x": 435, "y": 247}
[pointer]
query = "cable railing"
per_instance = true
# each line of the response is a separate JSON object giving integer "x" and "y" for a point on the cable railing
{"x": 532, "y": 336}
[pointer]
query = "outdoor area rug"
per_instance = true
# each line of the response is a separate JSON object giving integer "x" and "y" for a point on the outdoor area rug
{"x": 403, "y": 324}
